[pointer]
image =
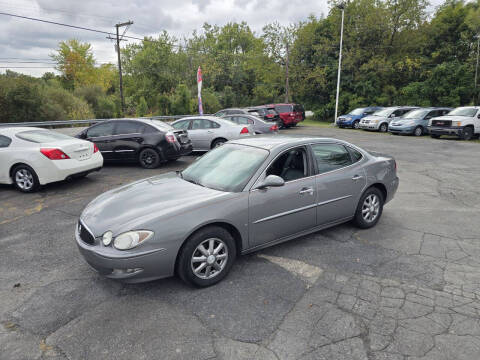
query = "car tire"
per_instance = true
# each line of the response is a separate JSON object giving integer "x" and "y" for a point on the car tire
{"x": 25, "y": 179}
{"x": 383, "y": 128}
{"x": 418, "y": 131}
{"x": 435, "y": 136}
{"x": 467, "y": 133}
{"x": 149, "y": 158}
{"x": 217, "y": 143}
{"x": 356, "y": 124}
{"x": 369, "y": 208}
{"x": 198, "y": 248}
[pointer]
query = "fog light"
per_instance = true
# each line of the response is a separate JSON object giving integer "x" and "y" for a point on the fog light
{"x": 107, "y": 238}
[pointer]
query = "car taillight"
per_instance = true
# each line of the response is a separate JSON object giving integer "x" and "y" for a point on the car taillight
{"x": 274, "y": 128}
{"x": 269, "y": 115}
{"x": 244, "y": 131}
{"x": 170, "y": 137}
{"x": 54, "y": 154}
{"x": 95, "y": 148}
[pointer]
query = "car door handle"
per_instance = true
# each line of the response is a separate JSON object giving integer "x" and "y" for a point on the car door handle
{"x": 306, "y": 191}
{"x": 210, "y": 131}
{"x": 357, "y": 177}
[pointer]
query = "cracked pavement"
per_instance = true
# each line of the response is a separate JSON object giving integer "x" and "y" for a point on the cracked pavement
{"x": 407, "y": 289}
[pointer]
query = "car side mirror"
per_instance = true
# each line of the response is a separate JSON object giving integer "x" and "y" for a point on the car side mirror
{"x": 392, "y": 115}
{"x": 478, "y": 116}
{"x": 271, "y": 181}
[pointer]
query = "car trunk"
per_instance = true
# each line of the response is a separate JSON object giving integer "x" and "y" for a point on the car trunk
{"x": 75, "y": 149}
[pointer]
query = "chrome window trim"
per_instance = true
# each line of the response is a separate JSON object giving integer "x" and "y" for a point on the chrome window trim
{"x": 285, "y": 213}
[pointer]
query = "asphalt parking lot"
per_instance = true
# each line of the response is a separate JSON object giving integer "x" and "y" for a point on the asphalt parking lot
{"x": 408, "y": 288}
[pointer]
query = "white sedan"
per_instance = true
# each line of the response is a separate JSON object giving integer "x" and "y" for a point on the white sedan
{"x": 30, "y": 157}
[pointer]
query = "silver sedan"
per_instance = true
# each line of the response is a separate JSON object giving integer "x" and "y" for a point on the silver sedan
{"x": 259, "y": 126}
{"x": 208, "y": 132}
{"x": 240, "y": 197}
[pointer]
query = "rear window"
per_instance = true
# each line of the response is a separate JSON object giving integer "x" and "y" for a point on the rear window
{"x": 161, "y": 125}
{"x": 41, "y": 136}
{"x": 284, "y": 108}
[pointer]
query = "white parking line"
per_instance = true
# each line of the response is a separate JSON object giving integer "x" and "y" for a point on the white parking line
{"x": 307, "y": 272}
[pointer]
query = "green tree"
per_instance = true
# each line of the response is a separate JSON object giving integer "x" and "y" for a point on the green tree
{"x": 142, "y": 107}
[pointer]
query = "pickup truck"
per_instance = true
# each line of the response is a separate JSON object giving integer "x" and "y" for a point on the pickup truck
{"x": 463, "y": 122}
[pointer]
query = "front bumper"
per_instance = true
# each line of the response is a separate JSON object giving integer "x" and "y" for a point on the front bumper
{"x": 124, "y": 266}
{"x": 452, "y": 130}
{"x": 402, "y": 130}
{"x": 368, "y": 126}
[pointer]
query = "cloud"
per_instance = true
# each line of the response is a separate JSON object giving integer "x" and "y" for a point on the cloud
{"x": 29, "y": 39}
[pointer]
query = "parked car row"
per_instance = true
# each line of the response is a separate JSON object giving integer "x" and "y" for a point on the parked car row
{"x": 463, "y": 122}
{"x": 285, "y": 115}
{"x": 31, "y": 157}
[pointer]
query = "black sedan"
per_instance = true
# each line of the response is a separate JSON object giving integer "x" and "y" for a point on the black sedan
{"x": 149, "y": 142}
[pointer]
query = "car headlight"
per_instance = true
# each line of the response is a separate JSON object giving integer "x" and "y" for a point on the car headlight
{"x": 374, "y": 121}
{"x": 107, "y": 238}
{"x": 130, "y": 239}
{"x": 457, "y": 123}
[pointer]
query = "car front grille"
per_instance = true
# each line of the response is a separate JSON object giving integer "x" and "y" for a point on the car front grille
{"x": 85, "y": 235}
{"x": 366, "y": 121}
{"x": 442, "y": 123}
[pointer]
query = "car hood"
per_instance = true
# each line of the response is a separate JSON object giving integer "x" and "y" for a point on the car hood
{"x": 374, "y": 117}
{"x": 128, "y": 207}
{"x": 453, "y": 118}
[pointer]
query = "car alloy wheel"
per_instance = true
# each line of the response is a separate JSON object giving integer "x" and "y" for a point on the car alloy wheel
{"x": 24, "y": 179}
{"x": 149, "y": 158}
{"x": 356, "y": 124}
{"x": 209, "y": 258}
{"x": 467, "y": 133}
{"x": 371, "y": 208}
{"x": 383, "y": 128}
{"x": 418, "y": 131}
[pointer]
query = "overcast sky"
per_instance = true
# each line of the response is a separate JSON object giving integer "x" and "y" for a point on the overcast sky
{"x": 28, "y": 41}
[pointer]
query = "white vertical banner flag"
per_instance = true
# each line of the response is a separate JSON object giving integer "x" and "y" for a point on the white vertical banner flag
{"x": 199, "y": 84}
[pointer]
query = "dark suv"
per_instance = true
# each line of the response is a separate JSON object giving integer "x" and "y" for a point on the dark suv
{"x": 290, "y": 114}
{"x": 148, "y": 142}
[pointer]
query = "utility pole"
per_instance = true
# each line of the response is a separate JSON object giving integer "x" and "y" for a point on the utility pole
{"x": 118, "y": 39}
{"x": 476, "y": 71}
{"x": 286, "y": 76}
{"x": 341, "y": 6}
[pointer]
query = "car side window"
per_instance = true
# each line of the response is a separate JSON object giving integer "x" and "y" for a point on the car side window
{"x": 331, "y": 157}
{"x": 105, "y": 129}
{"x": 213, "y": 125}
{"x": 4, "y": 141}
{"x": 432, "y": 114}
{"x": 181, "y": 125}
{"x": 242, "y": 120}
{"x": 291, "y": 165}
{"x": 128, "y": 127}
{"x": 355, "y": 154}
{"x": 198, "y": 124}
{"x": 398, "y": 113}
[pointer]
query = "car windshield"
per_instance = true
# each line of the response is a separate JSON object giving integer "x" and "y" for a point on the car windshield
{"x": 358, "y": 111}
{"x": 161, "y": 125}
{"x": 42, "y": 136}
{"x": 383, "y": 112}
{"x": 226, "y": 168}
{"x": 415, "y": 114}
{"x": 463, "y": 111}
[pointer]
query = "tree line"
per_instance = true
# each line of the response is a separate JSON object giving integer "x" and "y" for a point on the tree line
{"x": 394, "y": 53}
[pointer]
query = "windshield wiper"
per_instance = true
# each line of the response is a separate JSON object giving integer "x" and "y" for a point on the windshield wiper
{"x": 193, "y": 182}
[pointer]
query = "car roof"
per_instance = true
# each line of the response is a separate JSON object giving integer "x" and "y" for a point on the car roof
{"x": 270, "y": 142}
{"x": 12, "y": 130}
